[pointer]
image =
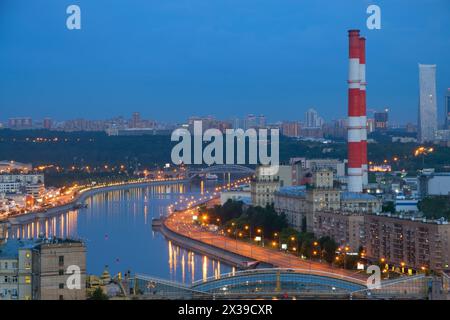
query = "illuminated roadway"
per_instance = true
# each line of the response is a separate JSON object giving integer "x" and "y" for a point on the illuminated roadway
{"x": 182, "y": 223}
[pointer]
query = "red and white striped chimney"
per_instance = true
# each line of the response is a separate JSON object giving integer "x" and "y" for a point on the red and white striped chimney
{"x": 354, "y": 114}
{"x": 363, "y": 117}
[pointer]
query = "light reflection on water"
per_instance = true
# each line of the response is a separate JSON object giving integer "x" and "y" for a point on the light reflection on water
{"x": 117, "y": 229}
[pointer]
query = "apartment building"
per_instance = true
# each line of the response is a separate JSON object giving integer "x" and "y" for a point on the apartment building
{"x": 39, "y": 269}
{"x": 30, "y": 184}
{"x": 360, "y": 202}
{"x": 267, "y": 182}
{"x": 346, "y": 228}
{"x": 292, "y": 202}
{"x": 408, "y": 241}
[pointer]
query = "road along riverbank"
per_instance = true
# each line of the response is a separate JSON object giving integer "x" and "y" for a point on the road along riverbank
{"x": 82, "y": 195}
{"x": 180, "y": 223}
{"x": 200, "y": 247}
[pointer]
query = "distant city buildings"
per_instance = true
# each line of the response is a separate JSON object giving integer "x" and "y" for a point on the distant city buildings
{"x": 20, "y": 123}
{"x": 312, "y": 119}
{"x": 381, "y": 120}
{"x": 427, "y": 122}
{"x": 290, "y": 129}
{"x": 47, "y": 123}
{"x": 8, "y": 166}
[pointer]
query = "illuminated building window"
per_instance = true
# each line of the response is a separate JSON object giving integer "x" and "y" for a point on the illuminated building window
{"x": 27, "y": 279}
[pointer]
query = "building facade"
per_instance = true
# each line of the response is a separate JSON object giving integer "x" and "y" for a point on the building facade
{"x": 346, "y": 228}
{"x": 434, "y": 184}
{"x": 408, "y": 242}
{"x": 40, "y": 269}
{"x": 427, "y": 121}
{"x": 267, "y": 182}
{"x": 360, "y": 202}
{"x": 31, "y": 184}
{"x": 54, "y": 262}
{"x": 292, "y": 202}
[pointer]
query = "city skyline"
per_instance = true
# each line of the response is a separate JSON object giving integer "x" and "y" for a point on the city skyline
{"x": 242, "y": 59}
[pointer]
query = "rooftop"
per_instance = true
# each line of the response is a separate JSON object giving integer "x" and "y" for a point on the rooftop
{"x": 413, "y": 216}
{"x": 298, "y": 191}
{"x": 10, "y": 247}
{"x": 347, "y": 195}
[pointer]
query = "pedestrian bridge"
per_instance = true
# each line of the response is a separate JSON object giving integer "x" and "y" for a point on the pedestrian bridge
{"x": 280, "y": 283}
{"x": 264, "y": 282}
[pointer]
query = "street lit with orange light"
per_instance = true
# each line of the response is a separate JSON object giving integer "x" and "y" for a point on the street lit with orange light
{"x": 183, "y": 219}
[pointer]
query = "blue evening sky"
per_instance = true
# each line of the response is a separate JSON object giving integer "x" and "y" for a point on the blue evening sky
{"x": 170, "y": 59}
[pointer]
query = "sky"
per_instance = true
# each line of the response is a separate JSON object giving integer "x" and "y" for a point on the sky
{"x": 170, "y": 59}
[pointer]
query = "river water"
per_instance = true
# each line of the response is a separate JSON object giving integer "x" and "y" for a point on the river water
{"x": 117, "y": 229}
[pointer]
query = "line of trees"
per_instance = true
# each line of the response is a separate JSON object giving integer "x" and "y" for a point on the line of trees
{"x": 247, "y": 222}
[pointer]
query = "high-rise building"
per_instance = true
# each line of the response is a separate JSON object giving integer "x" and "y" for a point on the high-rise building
{"x": 312, "y": 119}
{"x": 47, "y": 123}
{"x": 261, "y": 121}
{"x": 427, "y": 102}
{"x": 290, "y": 128}
{"x": 135, "y": 120}
{"x": 447, "y": 109}
{"x": 381, "y": 119}
{"x": 20, "y": 123}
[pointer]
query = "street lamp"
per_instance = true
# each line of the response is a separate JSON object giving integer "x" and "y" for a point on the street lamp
{"x": 261, "y": 232}
{"x": 296, "y": 242}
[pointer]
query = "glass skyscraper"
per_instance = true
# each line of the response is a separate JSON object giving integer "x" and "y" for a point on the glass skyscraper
{"x": 427, "y": 102}
{"x": 447, "y": 109}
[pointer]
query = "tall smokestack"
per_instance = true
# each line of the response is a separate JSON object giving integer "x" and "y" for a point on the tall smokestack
{"x": 354, "y": 114}
{"x": 362, "y": 103}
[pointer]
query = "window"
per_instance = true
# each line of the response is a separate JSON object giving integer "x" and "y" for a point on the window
{"x": 61, "y": 297}
{"x": 61, "y": 285}
{"x": 61, "y": 272}
{"x": 61, "y": 260}
{"x": 27, "y": 279}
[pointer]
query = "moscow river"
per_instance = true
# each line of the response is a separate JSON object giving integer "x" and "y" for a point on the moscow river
{"x": 117, "y": 229}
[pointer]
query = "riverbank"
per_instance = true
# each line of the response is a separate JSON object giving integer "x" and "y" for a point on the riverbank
{"x": 179, "y": 224}
{"x": 82, "y": 195}
{"x": 200, "y": 247}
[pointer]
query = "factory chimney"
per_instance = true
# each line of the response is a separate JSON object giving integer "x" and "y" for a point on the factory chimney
{"x": 355, "y": 174}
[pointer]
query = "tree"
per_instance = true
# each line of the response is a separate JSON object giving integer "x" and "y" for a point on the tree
{"x": 98, "y": 294}
{"x": 329, "y": 247}
{"x": 389, "y": 207}
{"x": 435, "y": 207}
